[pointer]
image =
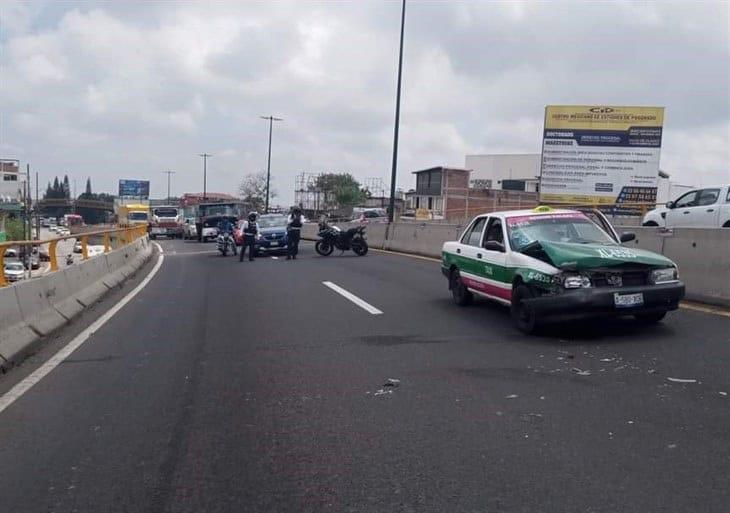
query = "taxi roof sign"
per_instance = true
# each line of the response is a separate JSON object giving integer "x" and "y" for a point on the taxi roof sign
{"x": 542, "y": 209}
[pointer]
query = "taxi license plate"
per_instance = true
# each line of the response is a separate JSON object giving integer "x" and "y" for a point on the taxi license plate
{"x": 628, "y": 300}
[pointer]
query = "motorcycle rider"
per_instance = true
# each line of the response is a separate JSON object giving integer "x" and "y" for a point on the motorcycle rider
{"x": 225, "y": 228}
{"x": 293, "y": 233}
{"x": 250, "y": 230}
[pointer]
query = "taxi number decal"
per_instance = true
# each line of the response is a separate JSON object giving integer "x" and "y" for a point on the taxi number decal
{"x": 535, "y": 276}
{"x": 616, "y": 253}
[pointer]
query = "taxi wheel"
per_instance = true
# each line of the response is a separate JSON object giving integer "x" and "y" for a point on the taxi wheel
{"x": 461, "y": 294}
{"x": 522, "y": 314}
{"x": 650, "y": 318}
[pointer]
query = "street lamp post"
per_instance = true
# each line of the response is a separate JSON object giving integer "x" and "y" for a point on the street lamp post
{"x": 391, "y": 210}
{"x": 271, "y": 120}
{"x": 168, "y": 173}
{"x": 205, "y": 174}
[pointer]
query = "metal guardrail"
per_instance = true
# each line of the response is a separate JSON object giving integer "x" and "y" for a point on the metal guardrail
{"x": 123, "y": 237}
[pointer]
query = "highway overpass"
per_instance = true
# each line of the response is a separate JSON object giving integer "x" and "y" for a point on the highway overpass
{"x": 204, "y": 384}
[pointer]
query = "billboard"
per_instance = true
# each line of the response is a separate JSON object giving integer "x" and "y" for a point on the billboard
{"x": 137, "y": 189}
{"x": 600, "y": 155}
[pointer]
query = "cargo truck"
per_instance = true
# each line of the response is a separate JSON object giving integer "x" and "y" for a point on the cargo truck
{"x": 133, "y": 215}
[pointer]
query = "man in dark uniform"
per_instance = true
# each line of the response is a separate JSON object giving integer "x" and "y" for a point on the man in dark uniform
{"x": 293, "y": 233}
{"x": 250, "y": 231}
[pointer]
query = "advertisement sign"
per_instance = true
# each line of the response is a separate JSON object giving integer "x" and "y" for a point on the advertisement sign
{"x": 137, "y": 189}
{"x": 601, "y": 155}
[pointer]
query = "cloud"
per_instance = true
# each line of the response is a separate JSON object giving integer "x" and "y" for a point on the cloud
{"x": 130, "y": 89}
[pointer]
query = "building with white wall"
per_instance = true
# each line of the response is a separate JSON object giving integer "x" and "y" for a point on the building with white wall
{"x": 516, "y": 171}
{"x": 12, "y": 182}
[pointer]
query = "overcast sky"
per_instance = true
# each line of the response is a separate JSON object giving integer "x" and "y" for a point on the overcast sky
{"x": 128, "y": 90}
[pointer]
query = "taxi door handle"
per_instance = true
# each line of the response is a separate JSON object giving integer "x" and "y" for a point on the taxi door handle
{"x": 686, "y": 212}
{"x": 710, "y": 209}
{"x": 458, "y": 250}
{"x": 479, "y": 255}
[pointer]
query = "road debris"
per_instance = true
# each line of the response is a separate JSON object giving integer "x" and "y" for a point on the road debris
{"x": 390, "y": 382}
{"x": 383, "y": 392}
{"x": 682, "y": 380}
{"x": 581, "y": 372}
{"x": 512, "y": 396}
{"x": 723, "y": 393}
{"x": 672, "y": 446}
{"x": 607, "y": 359}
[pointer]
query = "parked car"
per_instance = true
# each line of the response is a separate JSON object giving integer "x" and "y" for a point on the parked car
{"x": 43, "y": 254}
{"x": 14, "y": 271}
{"x": 369, "y": 215}
{"x": 699, "y": 208}
{"x": 10, "y": 253}
{"x": 33, "y": 261}
{"x": 210, "y": 225}
{"x": 78, "y": 247}
{"x": 190, "y": 231}
{"x": 272, "y": 234}
{"x": 549, "y": 265}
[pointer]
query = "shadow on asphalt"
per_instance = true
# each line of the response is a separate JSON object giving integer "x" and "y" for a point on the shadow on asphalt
{"x": 617, "y": 329}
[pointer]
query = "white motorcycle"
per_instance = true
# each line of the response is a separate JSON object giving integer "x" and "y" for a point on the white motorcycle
{"x": 225, "y": 242}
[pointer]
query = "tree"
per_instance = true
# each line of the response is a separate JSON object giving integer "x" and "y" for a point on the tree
{"x": 88, "y": 187}
{"x": 66, "y": 187}
{"x": 253, "y": 191}
{"x": 341, "y": 190}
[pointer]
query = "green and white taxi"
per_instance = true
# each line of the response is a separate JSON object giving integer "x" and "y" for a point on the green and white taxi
{"x": 549, "y": 264}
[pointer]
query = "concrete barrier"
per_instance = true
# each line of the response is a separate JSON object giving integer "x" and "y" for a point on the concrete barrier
{"x": 35, "y": 307}
{"x": 32, "y": 309}
{"x": 703, "y": 257}
{"x": 15, "y": 334}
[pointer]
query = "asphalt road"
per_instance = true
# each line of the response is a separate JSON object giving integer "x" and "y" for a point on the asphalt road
{"x": 253, "y": 387}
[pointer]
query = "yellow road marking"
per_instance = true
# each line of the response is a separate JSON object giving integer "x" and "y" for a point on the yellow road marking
{"x": 688, "y": 305}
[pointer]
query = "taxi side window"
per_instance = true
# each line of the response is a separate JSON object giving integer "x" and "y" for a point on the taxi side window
{"x": 494, "y": 231}
{"x": 474, "y": 234}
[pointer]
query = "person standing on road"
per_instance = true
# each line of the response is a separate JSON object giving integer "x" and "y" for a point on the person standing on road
{"x": 293, "y": 233}
{"x": 250, "y": 230}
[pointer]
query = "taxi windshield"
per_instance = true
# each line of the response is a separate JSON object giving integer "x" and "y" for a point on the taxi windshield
{"x": 574, "y": 228}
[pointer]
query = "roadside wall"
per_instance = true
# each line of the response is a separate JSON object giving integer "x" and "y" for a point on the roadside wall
{"x": 703, "y": 255}
{"x": 32, "y": 309}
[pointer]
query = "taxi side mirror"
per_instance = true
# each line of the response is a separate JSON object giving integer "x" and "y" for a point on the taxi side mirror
{"x": 627, "y": 237}
{"x": 670, "y": 204}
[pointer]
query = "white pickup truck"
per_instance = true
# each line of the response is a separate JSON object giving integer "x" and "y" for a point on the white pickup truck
{"x": 699, "y": 208}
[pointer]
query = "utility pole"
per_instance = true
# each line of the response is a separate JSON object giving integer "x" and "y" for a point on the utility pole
{"x": 168, "y": 173}
{"x": 391, "y": 210}
{"x": 271, "y": 120}
{"x": 205, "y": 174}
{"x": 37, "y": 210}
{"x": 28, "y": 202}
